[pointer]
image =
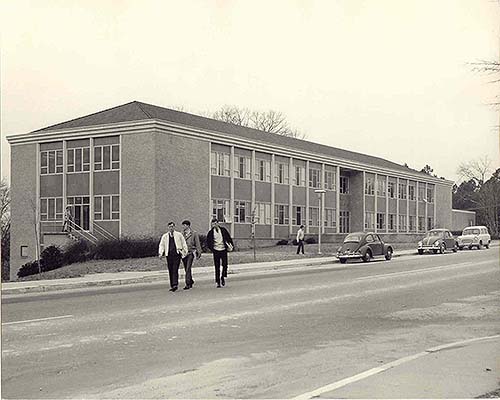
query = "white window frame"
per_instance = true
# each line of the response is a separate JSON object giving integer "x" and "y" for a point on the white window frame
{"x": 381, "y": 186}
{"x": 281, "y": 216}
{"x": 344, "y": 185}
{"x": 281, "y": 173}
{"x": 71, "y": 158}
{"x": 296, "y": 210}
{"x": 391, "y": 222}
{"x": 330, "y": 218}
{"x": 263, "y": 170}
{"x": 314, "y": 178}
{"x": 220, "y": 163}
{"x": 242, "y": 167}
{"x": 114, "y": 209}
{"x": 402, "y": 223}
{"x": 369, "y": 220}
{"x": 58, "y": 162}
{"x": 263, "y": 213}
{"x": 369, "y": 186}
{"x": 344, "y": 221}
{"x": 391, "y": 190}
{"x": 402, "y": 194}
{"x": 430, "y": 195}
{"x": 313, "y": 216}
{"x": 412, "y": 223}
{"x": 247, "y": 212}
{"x": 114, "y": 164}
{"x": 221, "y": 204}
{"x": 300, "y": 172}
{"x": 380, "y": 221}
{"x": 51, "y": 202}
{"x": 330, "y": 180}
{"x": 411, "y": 192}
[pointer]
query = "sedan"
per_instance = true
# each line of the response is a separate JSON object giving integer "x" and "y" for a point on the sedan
{"x": 437, "y": 240}
{"x": 364, "y": 246}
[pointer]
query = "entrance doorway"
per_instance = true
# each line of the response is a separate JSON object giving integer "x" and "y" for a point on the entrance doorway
{"x": 80, "y": 210}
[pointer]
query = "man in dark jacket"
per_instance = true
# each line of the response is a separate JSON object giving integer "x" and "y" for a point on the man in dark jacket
{"x": 219, "y": 242}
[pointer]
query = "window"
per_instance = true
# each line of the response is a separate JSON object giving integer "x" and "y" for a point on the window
{"x": 344, "y": 222}
{"x": 51, "y": 209}
{"x": 78, "y": 160}
{"x": 242, "y": 211}
{"x": 330, "y": 178}
{"x": 380, "y": 186}
{"x": 263, "y": 172}
{"x": 421, "y": 224}
{"x": 51, "y": 162}
{"x": 430, "y": 223}
{"x": 430, "y": 195}
{"x": 281, "y": 214}
{"x": 220, "y": 210}
{"x": 344, "y": 185}
{"x": 263, "y": 213}
{"x": 412, "y": 223}
{"x": 421, "y": 192}
{"x": 391, "y": 189}
{"x": 392, "y": 222}
{"x": 281, "y": 173}
{"x": 314, "y": 178}
{"x": 369, "y": 186}
{"x": 24, "y": 251}
{"x": 369, "y": 220}
{"x": 411, "y": 192}
{"x": 219, "y": 164}
{"x": 330, "y": 220}
{"x": 107, "y": 208}
{"x": 380, "y": 221}
{"x": 313, "y": 216}
{"x": 402, "y": 191}
{"x": 243, "y": 169}
{"x": 300, "y": 176}
{"x": 107, "y": 157}
{"x": 297, "y": 215}
{"x": 402, "y": 223}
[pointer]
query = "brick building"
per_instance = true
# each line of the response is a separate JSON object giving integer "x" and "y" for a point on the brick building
{"x": 129, "y": 170}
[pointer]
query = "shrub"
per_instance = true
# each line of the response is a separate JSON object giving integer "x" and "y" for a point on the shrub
{"x": 311, "y": 240}
{"x": 79, "y": 251}
{"x": 30, "y": 268}
{"x": 294, "y": 242}
{"x": 51, "y": 258}
{"x": 282, "y": 242}
{"x": 126, "y": 248}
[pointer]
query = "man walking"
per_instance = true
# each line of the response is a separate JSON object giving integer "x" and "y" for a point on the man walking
{"x": 68, "y": 219}
{"x": 173, "y": 246}
{"x": 300, "y": 239}
{"x": 194, "y": 250}
{"x": 219, "y": 242}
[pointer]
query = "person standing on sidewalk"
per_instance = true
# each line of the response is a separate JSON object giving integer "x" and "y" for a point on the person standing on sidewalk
{"x": 194, "y": 250}
{"x": 300, "y": 239}
{"x": 219, "y": 241}
{"x": 173, "y": 246}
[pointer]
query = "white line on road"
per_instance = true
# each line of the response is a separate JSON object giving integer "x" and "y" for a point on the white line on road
{"x": 37, "y": 320}
{"x": 344, "y": 382}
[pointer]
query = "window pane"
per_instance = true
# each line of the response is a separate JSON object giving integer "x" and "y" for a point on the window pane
{"x": 52, "y": 162}
{"x": 44, "y": 159}
{"x": 115, "y": 206}
{"x": 59, "y": 205}
{"x": 78, "y": 160}
{"x": 52, "y": 208}
{"x": 106, "y": 207}
{"x": 106, "y": 157}
{"x": 97, "y": 204}
{"x": 115, "y": 156}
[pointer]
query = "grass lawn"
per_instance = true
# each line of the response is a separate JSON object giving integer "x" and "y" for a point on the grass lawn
{"x": 275, "y": 253}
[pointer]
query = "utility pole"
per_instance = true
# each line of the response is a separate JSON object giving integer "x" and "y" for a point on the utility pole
{"x": 253, "y": 233}
{"x": 321, "y": 194}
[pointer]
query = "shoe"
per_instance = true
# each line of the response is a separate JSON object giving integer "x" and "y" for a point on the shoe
{"x": 192, "y": 283}
{"x": 223, "y": 281}
{"x": 173, "y": 289}
{"x": 218, "y": 285}
{"x": 186, "y": 287}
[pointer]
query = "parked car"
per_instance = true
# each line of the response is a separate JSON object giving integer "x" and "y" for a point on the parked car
{"x": 437, "y": 240}
{"x": 474, "y": 236}
{"x": 365, "y": 246}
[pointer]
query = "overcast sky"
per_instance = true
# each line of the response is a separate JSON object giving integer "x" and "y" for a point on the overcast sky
{"x": 388, "y": 78}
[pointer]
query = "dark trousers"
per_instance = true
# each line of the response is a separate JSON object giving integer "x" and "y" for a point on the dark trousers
{"x": 300, "y": 246}
{"x": 218, "y": 257}
{"x": 173, "y": 261}
{"x": 188, "y": 263}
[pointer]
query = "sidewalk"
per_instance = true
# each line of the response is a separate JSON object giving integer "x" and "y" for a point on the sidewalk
{"x": 461, "y": 370}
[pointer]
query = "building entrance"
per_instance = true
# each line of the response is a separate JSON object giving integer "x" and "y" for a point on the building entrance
{"x": 80, "y": 210}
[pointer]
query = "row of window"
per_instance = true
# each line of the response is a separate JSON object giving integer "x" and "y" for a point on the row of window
{"x": 220, "y": 166}
{"x": 380, "y": 220}
{"x": 106, "y": 157}
{"x": 403, "y": 192}
{"x": 106, "y": 208}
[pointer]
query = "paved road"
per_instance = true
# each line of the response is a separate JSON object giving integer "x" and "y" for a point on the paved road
{"x": 264, "y": 336}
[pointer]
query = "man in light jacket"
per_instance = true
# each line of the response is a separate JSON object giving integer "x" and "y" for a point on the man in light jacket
{"x": 194, "y": 250}
{"x": 174, "y": 247}
{"x": 219, "y": 242}
{"x": 300, "y": 239}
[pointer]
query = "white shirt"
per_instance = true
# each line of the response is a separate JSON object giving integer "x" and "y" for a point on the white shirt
{"x": 300, "y": 234}
{"x": 218, "y": 240}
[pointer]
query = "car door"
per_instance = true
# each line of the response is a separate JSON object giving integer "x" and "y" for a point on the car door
{"x": 377, "y": 246}
{"x": 449, "y": 240}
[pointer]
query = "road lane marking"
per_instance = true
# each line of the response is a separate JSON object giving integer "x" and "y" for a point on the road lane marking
{"x": 36, "y": 320}
{"x": 347, "y": 381}
{"x": 430, "y": 269}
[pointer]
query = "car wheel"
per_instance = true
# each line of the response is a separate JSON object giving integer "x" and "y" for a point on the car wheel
{"x": 487, "y": 245}
{"x": 367, "y": 256}
{"x": 470, "y": 247}
{"x": 435, "y": 251}
{"x": 455, "y": 248}
{"x": 480, "y": 245}
{"x": 343, "y": 260}
{"x": 442, "y": 248}
{"x": 460, "y": 247}
{"x": 420, "y": 251}
{"x": 388, "y": 254}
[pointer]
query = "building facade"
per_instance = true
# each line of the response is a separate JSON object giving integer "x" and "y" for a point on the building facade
{"x": 129, "y": 170}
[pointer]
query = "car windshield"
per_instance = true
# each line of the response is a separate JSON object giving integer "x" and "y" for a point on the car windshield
{"x": 434, "y": 233}
{"x": 470, "y": 232}
{"x": 352, "y": 238}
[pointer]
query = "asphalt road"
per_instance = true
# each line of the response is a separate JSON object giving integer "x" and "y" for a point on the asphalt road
{"x": 272, "y": 335}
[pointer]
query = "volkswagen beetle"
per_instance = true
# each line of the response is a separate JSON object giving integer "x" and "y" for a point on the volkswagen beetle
{"x": 364, "y": 246}
{"x": 437, "y": 240}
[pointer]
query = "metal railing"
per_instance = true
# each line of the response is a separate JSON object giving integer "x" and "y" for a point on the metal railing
{"x": 103, "y": 232}
{"x": 77, "y": 230}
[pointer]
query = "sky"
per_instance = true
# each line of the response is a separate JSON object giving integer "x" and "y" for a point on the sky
{"x": 389, "y": 78}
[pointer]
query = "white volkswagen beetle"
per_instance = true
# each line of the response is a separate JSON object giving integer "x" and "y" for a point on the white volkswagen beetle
{"x": 474, "y": 236}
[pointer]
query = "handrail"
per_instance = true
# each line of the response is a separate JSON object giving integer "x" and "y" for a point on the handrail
{"x": 103, "y": 232}
{"x": 80, "y": 231}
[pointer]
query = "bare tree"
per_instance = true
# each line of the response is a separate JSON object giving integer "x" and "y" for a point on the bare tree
{"x": 477, "y": 170}
{"x": 491, "y": 68}
{"x": 36, "y": 230}
{"x": 5, "y": 228}
{"x": 268, "y": 121}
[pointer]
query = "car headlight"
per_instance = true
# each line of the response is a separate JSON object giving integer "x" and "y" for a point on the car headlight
{"x": 436, "y": 243}
{"x": 476, "y": 238}
{"x": 419, "y": 244}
